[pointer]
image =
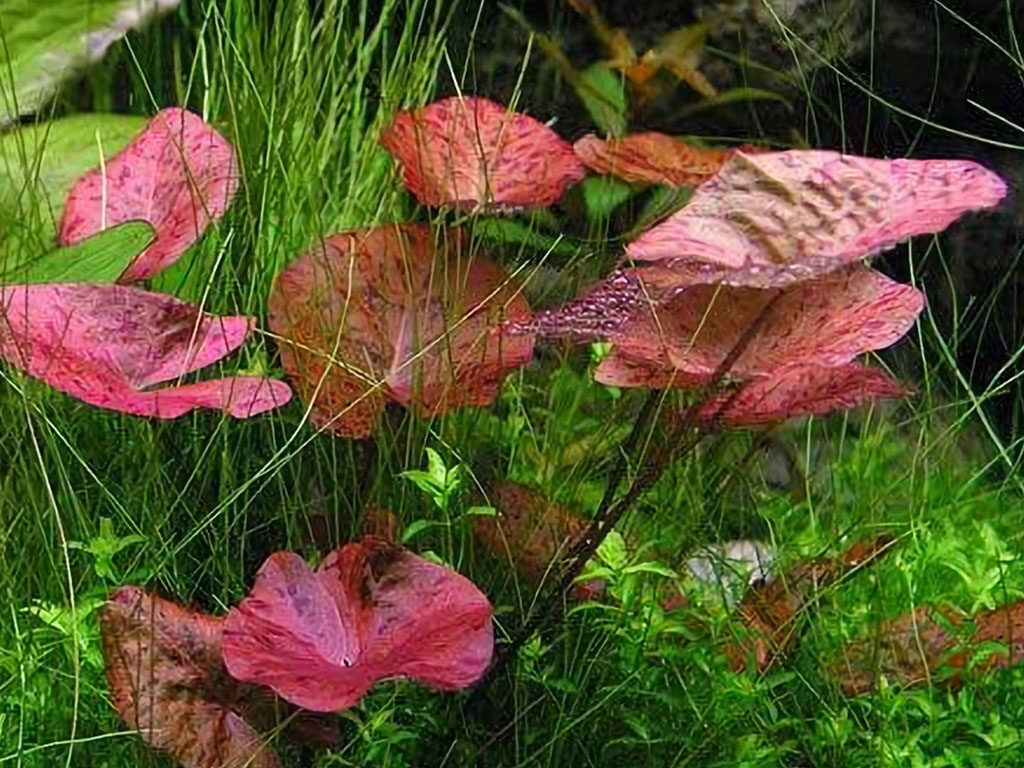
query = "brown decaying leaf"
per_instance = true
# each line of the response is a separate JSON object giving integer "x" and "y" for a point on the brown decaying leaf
{"x": 769, "y": 611}
{"x": 168, "y": 681}
{"x": 532, "y": 532}
{"x": 913, "y": 648}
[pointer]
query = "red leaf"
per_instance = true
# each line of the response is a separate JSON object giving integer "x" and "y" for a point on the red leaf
{"x": 387, "y": 314}
{"x": 777, "y": 218}
{"x": 107, "y": 344}
{"x": 532, "y": 532}
{"x": 799, "y": 391}
{"x": 823, "y": 322}
{"x": 769, "y": 610}
{"x": 471, "y": 152}
{"x": 911, "y": 649}
{"x": 370, "y": 611}
{"x": 167, "y": 680}
{"x": 653, "y": 158}
{"x": 178, "y": 175}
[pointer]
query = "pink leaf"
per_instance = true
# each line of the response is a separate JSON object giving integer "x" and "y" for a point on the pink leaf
{"x": 168, "y": 682}
{"x": 471, "y": 152}
{"x": 773, "y": 219}
{"x": 106, "y": 344}
{"x": 390, "y": 314}
{"x": 799, "y": 391}
{"x": 370, "y": 611}
{"x": 653, "y": 158}
{"x": 823, "y": 322}
{"x": 178, "y": 175}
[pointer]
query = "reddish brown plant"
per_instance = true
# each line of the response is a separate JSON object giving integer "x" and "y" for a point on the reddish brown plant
{"x": 533, "y": 533}
{"x": 470, "y": 152}
{"x": 769, "y": 611}
{"x": 391, "y": 314}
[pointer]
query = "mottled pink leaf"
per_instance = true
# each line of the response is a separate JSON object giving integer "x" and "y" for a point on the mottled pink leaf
{"x": 106, "y": 344}
{"x": 471, "y": 152}
{"x": 167, "y": 681}
{"x": 653, "y": 158}
{"x": 391, "y": 314}
{"x": 371, "y": 611}
{"x": 826, "y": 322}
{"x": 799, "y": 391}
{"x": 178, "y": 175}
{"x": 773, "y": 219}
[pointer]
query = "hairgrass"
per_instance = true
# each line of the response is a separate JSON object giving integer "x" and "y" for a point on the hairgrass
{"x": 194, "y": 505}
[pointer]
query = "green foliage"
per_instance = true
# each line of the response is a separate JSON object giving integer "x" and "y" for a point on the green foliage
{"x": 101, "y": 258}
{"x": 603, "y": 93}
{"x": 45, "y": 43}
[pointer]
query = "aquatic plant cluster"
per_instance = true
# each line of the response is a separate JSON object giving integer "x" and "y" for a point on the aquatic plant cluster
{"x": 755, "y": 295}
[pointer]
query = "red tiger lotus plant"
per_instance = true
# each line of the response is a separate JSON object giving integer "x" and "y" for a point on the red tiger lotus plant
{"x": 371, "y": 611}
{"x": 107, "y": 345}
{"x": 395, "y": 313}
{"x": 202, "y": 687}
{"x": 654, "y": 158}
{"x": 178, "y": 174}
{"x": 468, "y": 152}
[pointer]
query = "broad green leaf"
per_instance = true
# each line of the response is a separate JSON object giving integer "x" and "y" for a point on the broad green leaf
{"x": 603, "y": 194}
{"x": 612, "y": 551}
{"x": 40, "y": 163}
{"x": 603, "y": 93}
{"x": 100, "y": 259}
{"x": 417, "y": 527}
{"x": 47, "y": 41}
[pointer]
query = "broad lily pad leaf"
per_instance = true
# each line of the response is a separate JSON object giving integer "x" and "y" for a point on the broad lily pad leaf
{"x": 167, "y": 680}
{"x": 472, "y": 153}
{"x": 100, "y": 259}
{"x": 798, "y": 391}
{"x": 107, "y": 345}
{"x": 776, "y": 218}
{"x": 46, "y": 43}
{"x": 390, "y": 314}
{"x": 653, "y": 158}
{"x": 179, "y": 174}
{"x": 919, "y": 648}
{"x": 825, "y": 322}
{"x": 371, "y": 611}
{"x": 532, "y": 532}
{"x": 40, "y": 163}
{"x": 770, "y": 610}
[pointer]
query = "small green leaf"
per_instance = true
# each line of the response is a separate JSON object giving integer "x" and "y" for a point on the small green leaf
{"x": 100, "y": 259}
{"x": 603, "y": 93}
{"x": 436, "y": 468}
{"x": 482, "y": 511}
{"x": 603, "y": 194}
{"x": 612, "y": 551}
{"x": 417, "y": 527}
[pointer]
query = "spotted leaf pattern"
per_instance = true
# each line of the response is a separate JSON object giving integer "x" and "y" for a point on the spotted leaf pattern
{"x": 178, "y": 175}
{"x": 471, "y": 153}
